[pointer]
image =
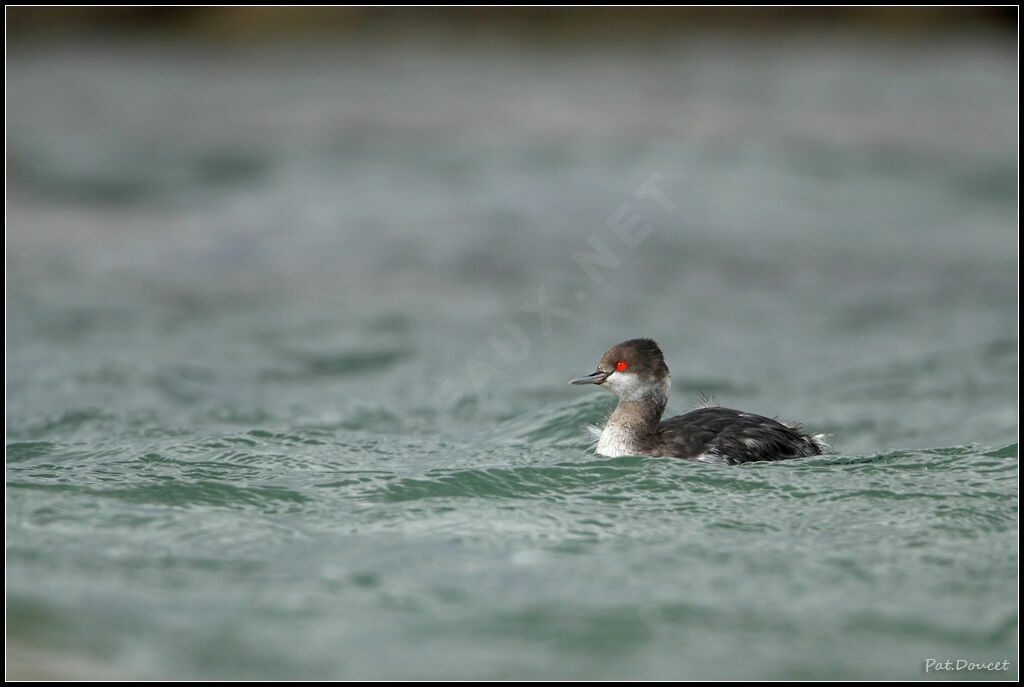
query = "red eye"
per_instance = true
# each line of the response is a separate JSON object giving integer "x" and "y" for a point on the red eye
{"x": 621, "y": 365}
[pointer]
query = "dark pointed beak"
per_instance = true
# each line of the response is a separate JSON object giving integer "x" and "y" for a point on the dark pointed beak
{"x": 595, "y": 377}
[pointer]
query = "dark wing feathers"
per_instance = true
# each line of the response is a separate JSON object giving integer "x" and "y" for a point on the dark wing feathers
{"x": 731, "y": 436}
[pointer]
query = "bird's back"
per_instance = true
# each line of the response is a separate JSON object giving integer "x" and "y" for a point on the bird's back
{"x": 724, "y": 435}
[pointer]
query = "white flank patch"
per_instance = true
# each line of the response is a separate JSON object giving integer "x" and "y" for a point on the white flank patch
{"x": 712, "y": 456}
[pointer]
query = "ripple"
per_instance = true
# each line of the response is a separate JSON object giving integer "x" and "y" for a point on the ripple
{"x": 26, "y": 450}
{"x": 353, "y": 363}
{"x": 179, "y": 494}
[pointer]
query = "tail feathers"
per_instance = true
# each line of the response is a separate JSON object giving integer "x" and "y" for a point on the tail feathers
{"x": 819, "y": 442}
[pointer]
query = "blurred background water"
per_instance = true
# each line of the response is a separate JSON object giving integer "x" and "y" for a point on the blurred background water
{"x": 290, "y": 316}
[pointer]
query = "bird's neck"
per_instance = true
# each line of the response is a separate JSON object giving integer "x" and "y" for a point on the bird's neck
{"x": 639, "y": 417}
{"x": 629, "y": 426}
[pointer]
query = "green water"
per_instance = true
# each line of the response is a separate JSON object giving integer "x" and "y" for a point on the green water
{"x": 289, "y": 331}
